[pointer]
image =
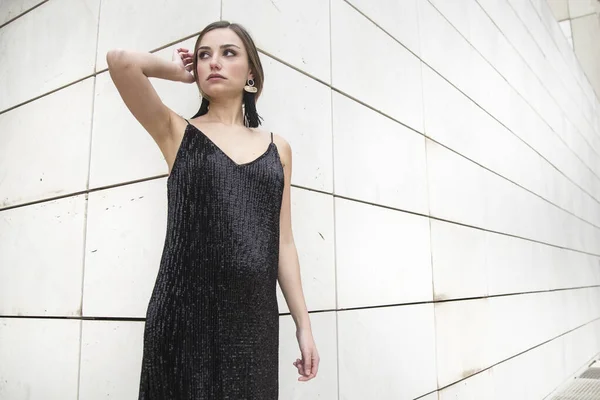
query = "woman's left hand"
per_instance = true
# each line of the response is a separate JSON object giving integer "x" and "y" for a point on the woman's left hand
{"x": 184, "y": 60}
{"x": 309, "y": 365}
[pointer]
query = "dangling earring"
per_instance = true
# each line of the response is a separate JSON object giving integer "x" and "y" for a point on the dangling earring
{"x": 250, "y": 86}
{"x": 251, "y": 117}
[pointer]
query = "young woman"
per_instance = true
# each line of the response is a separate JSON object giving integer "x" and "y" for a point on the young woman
{"x": 212, "y": 325}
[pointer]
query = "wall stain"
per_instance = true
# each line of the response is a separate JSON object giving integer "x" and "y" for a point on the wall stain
{"x": 469, "y": 372}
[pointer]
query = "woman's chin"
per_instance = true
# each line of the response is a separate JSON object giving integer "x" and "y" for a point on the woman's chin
{"x": 219, "y": 91}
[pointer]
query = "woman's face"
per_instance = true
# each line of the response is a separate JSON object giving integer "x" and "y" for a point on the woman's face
{"x": 222, "y": 64}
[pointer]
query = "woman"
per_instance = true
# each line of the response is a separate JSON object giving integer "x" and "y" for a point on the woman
{"x": 212, "y": 325}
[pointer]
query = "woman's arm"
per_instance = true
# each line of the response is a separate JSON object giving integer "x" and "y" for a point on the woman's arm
{"x": 289, "y": 276}
{"x": 130, "y": 71}
{"x": 289, "y": 266}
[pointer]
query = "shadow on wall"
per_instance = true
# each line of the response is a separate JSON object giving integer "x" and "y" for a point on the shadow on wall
{"x": 580, "y": 22}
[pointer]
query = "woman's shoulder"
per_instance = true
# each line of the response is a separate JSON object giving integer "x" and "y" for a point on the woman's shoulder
{"x": 283, "y": 146}
{"x": 278, "y": 139}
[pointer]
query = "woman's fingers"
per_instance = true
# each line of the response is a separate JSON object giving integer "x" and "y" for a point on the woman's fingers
{"x": 184, "y": 59}
{"x": 307, "y": 361}
{"x": 184, "y": 54}
{"x": 182, "y": 51}
{"x": 303, "y": 369}
{"x": 298, "y": 365}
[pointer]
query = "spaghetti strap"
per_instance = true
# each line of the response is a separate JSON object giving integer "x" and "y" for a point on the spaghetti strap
{"x": 188, "y": 122}
{"x": 271, "y": 137}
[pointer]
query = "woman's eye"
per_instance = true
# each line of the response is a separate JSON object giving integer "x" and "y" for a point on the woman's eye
{"x": 202, "y": 54}
{"x": 231, "y": 52}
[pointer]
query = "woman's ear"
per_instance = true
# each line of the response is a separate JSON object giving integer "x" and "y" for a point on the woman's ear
{"x": 250, "y": 75}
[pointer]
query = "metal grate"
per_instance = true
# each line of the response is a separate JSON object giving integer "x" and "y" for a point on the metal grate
{"x": 581, "y": 389}
{"x": 591, "y": 373}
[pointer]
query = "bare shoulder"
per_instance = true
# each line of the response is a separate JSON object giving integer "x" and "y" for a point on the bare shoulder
{"x": 283, "y": 147}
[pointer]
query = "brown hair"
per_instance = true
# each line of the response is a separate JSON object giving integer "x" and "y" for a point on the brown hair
{"x": 253, "y": 58}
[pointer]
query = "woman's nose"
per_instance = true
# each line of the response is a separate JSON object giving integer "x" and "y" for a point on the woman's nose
{"x": 214, "y": 63}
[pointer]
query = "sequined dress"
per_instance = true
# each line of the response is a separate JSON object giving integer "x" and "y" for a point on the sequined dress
{"x": 212, "y": 324}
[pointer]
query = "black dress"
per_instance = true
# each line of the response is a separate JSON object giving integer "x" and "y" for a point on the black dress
{"x": 212, "y": 325}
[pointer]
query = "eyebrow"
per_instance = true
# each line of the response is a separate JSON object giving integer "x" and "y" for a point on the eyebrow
{"x": 222, "y": 46}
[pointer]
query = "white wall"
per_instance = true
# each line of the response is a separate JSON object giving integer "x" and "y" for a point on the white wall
{"x": 446, "y": 199}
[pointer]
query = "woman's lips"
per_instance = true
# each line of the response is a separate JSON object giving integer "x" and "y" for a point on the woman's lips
{"x": 214, "y": 77}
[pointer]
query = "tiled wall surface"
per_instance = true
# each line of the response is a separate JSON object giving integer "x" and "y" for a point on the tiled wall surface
{"x": 446, "y": 194}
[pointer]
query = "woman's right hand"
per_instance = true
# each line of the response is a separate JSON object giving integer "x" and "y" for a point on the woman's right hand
{"x": 184, "y": 60}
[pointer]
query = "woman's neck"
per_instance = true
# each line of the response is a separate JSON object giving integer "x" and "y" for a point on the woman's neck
{"x": 226, "y": 111}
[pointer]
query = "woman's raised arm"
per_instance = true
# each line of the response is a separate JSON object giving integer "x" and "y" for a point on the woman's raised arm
{"x": 130, "y": 71}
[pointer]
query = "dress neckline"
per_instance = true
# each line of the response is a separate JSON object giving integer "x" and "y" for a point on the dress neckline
{"x": 209, "y": 140}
